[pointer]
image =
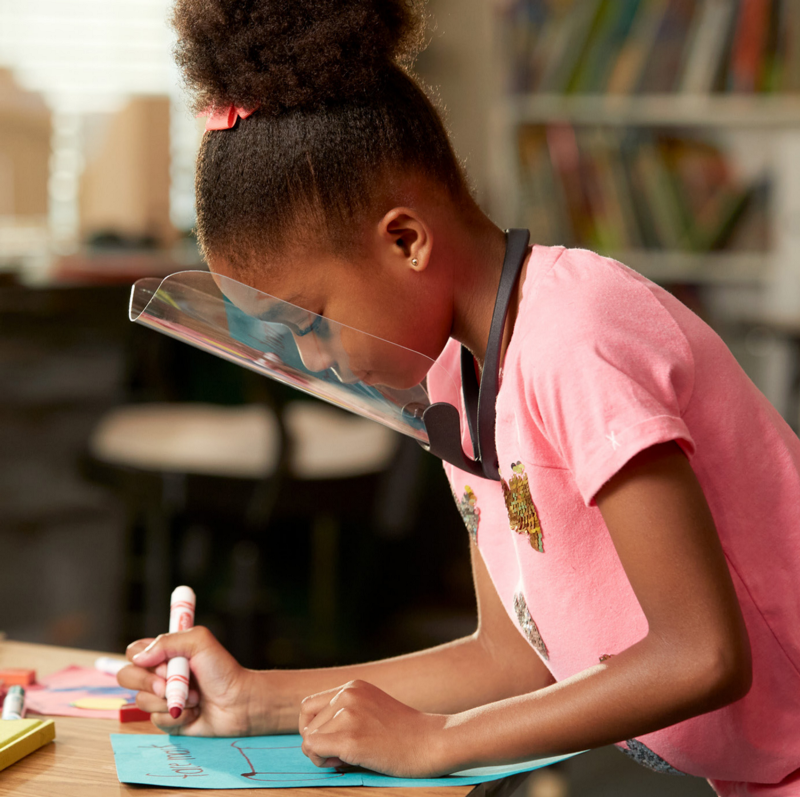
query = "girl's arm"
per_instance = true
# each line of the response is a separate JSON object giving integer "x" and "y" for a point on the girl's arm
{"x": 695, "y": 657}
{"x": 492, "y": 664}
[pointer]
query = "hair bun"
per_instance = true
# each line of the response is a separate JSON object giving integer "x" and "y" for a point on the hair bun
{"x": 281, "y": 54}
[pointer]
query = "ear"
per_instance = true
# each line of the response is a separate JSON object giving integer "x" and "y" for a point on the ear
{"x": 406, "y": 238}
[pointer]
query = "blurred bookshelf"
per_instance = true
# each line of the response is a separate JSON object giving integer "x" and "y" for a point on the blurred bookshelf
{"x": 659, "y": 110}
{"x": 652, "y": 47}
{"x": 665, "y": 134}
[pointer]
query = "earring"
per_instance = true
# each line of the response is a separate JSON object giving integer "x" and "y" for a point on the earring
{"x": 414, "y": 262}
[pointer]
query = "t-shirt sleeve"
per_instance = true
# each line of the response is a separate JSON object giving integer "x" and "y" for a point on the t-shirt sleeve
{"x": 609, "y": 370}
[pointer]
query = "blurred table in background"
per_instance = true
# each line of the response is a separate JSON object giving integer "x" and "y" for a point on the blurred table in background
{"x": 115, "y": 268}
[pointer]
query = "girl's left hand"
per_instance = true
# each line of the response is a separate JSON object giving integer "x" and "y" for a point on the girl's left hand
{"x": 360, "y": 725}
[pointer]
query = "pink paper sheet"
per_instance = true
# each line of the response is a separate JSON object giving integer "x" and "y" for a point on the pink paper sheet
{"x": 54, "y": 694}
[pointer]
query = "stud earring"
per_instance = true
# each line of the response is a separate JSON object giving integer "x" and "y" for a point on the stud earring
{"x": 414, "y": 262}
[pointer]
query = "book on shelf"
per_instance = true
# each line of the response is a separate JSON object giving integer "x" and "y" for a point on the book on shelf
{"x": 749, "y": 43}
{"x": 630, "y": 60}
{"x": 612, "y": 190}
{"x": 653, "y": 46}
{"x": 571, "y": 35}
{"x": 706, "y": 45}
{"x": 788, "y": 58}
{"x": 664, "y": 61}
{"x": 769, "y": 78}
{"x": 613, "y": 25}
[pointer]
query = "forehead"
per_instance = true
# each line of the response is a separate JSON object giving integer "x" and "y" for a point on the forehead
{"x": 303, "y": 279}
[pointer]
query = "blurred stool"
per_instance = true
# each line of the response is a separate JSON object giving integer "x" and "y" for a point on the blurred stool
{"x": 309, "y": 451}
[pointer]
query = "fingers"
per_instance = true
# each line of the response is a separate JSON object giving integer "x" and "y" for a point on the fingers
{"x": 150, "y": 686}
{"x": 177, "y": 727}
{"x": 328, "y": 748}
{"x": 325, "y": 720}
{"x": 136, "y": 647}
{"x": 150, "y": 703}
{"x": 317, "y": 709}
{"x": 166, "y": 646}
{"x": 321, "y": 761}
{"x": 141, "y": 680}
{"x": 312, "y": 706}
{"x": 155, "y": 704}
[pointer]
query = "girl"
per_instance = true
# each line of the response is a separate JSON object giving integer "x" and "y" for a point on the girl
{"x": 636, "y": 566}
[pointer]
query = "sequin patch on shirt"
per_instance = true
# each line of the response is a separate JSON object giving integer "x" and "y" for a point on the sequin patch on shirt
{"x": 468, "y": 507}
{"x": 528, "y": 626}
{"x": 522, "y": 515}
{"x": 643, "y": 755}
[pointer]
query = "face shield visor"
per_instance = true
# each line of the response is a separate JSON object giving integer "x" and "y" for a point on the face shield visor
{"x": 344, "y": 366}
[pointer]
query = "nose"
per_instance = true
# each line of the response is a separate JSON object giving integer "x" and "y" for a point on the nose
{"x": 314, "y": 356}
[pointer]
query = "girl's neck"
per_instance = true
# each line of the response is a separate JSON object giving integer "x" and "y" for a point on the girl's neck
{"x": 479, "y": 253}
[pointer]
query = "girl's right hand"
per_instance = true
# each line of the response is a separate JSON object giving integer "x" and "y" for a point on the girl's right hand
{"x": 221, "y": 697}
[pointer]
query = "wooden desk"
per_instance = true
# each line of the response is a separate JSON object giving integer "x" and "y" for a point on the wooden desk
{"x": 81, "y": 763}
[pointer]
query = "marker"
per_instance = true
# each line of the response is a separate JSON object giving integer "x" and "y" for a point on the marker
{"x": 108, "y": 665}
{"x": 181, "y": 618}
{"x": 14, "y": 704}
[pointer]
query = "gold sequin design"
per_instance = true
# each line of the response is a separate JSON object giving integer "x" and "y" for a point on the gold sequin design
{"x": 605, "y": 657}
{"x": 522, "y": 515}
{"x": 468, "y": 507}
{"x": 528, "y": 626}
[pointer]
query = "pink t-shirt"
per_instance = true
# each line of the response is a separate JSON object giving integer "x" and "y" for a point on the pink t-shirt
{"x": 601, "y": 365}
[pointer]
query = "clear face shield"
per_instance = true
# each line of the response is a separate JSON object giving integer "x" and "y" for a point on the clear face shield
{"x": 349, "y": 368}
{"x": 344, "y": 366}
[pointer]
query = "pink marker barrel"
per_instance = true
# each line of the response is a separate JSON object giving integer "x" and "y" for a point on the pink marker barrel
{"x": 181, "y": 618}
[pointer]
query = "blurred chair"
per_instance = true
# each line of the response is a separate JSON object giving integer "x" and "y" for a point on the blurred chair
{"x": 243, "y": 464}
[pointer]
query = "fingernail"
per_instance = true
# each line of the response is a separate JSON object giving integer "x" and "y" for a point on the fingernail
{"x": 142, "y": 652}
{"x": 159, "y": 689}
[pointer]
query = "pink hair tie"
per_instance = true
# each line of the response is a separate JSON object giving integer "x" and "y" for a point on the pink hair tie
{"x": 225, "y": 118}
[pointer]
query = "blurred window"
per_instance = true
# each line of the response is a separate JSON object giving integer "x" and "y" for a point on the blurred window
{"x": 87, "y": 58}
{"x": 88, "y": 55}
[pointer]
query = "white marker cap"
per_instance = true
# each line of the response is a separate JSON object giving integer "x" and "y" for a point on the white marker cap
{"x": 108, "y": 665}
{"x": 183, "y": 594}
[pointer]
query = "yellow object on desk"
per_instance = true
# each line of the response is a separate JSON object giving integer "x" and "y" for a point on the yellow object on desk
{"x": 18, "y": 738}
{"x": 100, "y": 703}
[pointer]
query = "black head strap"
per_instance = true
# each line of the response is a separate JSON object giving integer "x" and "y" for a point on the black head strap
{"x": 442, "y": 420}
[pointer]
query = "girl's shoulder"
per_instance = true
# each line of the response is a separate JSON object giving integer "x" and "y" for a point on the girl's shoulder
{"x": 576, "y": 294}
{"x": 557, "y": 273}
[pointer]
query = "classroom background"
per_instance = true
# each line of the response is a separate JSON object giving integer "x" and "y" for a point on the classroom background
{"x": 665, "y": 133}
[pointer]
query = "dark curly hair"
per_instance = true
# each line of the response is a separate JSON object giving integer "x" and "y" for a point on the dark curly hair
{"x": 338, "y": 118}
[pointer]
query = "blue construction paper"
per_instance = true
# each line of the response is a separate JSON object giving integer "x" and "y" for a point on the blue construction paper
{"x": 260, "y": 762}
